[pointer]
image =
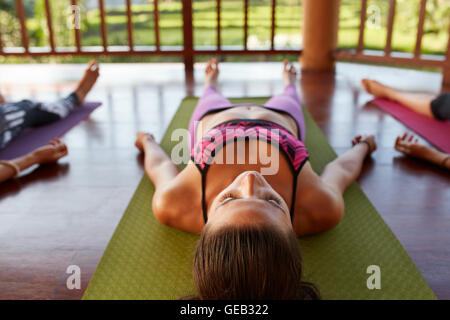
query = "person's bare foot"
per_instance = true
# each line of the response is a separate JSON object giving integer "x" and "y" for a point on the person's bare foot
{"x": 289, "y": 73}
{"x": 375, "y": 88}
{"x": 87, "y": 82}
{"x": 142, "y": 138}
{"x": 212, "y": 73}
{"x": 2, "y": 99}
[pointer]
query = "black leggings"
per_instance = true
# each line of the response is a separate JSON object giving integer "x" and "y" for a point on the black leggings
{"x": 440, "y": 107}
{"x": 16, "y": 117}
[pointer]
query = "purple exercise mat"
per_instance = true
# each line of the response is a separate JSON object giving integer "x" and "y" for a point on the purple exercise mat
{"x": 36, "y": 137}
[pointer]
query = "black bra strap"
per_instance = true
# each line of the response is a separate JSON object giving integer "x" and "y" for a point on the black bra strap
{"x": 294, "y": 192}
{"x": 204, "y": 209}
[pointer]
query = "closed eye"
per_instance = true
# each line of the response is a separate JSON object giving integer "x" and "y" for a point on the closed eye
{"x": 274, "y": 201}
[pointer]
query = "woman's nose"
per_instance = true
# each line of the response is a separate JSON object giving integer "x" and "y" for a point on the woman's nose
{"x": 250, "y": 184}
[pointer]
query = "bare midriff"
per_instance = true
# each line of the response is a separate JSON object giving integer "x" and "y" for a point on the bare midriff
{"x": 245, "y": 112}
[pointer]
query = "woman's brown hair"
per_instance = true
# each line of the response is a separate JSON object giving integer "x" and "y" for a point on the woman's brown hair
{"x": 249, "y": 262}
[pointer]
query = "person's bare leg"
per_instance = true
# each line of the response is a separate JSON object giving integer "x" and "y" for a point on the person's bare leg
{"x": 418, "y": 102}
{"x": 87, "y": 82}
{"x": 212, "y": 73}
{"x": 289, "y": 73}
{"x": 2, "y": 99}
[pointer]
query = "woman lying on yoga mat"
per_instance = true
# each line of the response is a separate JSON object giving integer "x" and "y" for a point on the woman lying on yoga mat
{"x": 49, "y": 153}
{"x": 17, "y": 116}
{"x": 248, "y": 222}
{"x": 426, "y": 104}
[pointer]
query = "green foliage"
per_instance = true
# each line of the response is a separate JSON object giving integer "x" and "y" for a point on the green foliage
{"x": 7, "y": 5}
{"x": 10, "y": 29}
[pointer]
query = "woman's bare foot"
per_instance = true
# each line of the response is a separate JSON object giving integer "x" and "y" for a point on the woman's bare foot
{"x": 142, "y": 138}
{"x": 87, "y": 82}
{"x": 289, "y": 73}
{"x": 375, "y": 88}
{"x": 212, "y": 73}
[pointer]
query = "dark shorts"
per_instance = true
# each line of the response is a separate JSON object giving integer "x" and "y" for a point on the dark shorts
{"x": 440, "y": 107}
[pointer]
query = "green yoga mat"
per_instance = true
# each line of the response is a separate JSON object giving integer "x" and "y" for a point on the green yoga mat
{"x": 147, "y": 260}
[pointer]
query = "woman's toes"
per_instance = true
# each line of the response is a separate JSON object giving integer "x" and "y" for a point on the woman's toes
{"x": 292, "y": 70}
{"x": 365, "y": 84}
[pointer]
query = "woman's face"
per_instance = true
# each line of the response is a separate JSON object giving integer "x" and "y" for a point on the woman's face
{"x": 249, "y": 199}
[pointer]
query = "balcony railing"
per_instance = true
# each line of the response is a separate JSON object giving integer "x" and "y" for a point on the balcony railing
{"x": 387, "y": 56}
{"x": 188, "y": 51}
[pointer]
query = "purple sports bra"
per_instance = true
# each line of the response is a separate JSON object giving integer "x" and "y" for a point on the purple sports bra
{"x": 203, "y": 152}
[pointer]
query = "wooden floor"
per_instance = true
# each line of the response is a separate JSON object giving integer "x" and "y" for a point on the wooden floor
{"x": 65, "y": 214}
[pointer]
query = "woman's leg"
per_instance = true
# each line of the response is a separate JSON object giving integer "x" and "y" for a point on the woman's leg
{"x": 48, "y": 112}
{"x": 63, "y": 107}
{"x": 88, "y": 80}
{"x": 419, "y": 103}
{"x": 210, "y": 99}
{"x": 14, "y": 119}
{"x": 289, "y": 101}
{"x": 440, "y": 107}
{"x": 288, "y": 97}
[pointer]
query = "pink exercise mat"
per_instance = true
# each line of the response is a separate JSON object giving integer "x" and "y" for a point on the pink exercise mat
{"x": 37, "y": 137}
{"x": 437, "y": 132}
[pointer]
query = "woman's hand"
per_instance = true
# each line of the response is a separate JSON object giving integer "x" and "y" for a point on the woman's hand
{"x": 142, "y": 138}
{"x": 344, "y": 170}
{"x": 369, "y": 140}
{"x": 51, "y": 152}
{"x": 410, "y": 146}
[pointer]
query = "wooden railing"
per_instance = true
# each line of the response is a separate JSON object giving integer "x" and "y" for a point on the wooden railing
{"x": 387, "y": 56}
{"x": 188, "y": 51}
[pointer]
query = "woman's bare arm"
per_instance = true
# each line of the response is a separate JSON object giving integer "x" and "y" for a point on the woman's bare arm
{"x": 158, "y": 166}
{"x": 8, "y": 171}
{"x": 323, "y": 203}
{"x": 344, "y": 170}
{"x": 49, "y": 153}
{"x": 175, "y": 202}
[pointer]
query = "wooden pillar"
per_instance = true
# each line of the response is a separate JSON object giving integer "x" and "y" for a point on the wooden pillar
{"x": 188, "y": 50}
{"x": 320, "y": 28}
{"x": 446, "y": 79}
{"x": 446, "y": 69}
